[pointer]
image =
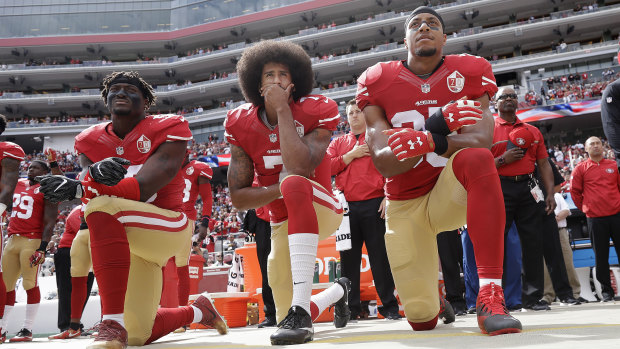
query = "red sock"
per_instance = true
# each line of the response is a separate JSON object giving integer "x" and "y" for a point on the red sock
{"x": 424, "y": 326}
{"x": 10, "y": 298}
{"x": 33, "y": 296}
{"x": 78, "y": 296}
{"x": 168, "y": 320}
{"x": 486, "y": 216}
{"x": 314, "y": 311}
{"x": 111, "y": 259}
{"x": 183, "y": 291}
{"x": 2, "y": 295}
{"x": 298, "y": 197}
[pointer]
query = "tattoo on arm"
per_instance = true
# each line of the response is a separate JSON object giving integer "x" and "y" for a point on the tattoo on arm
{"x": 318, "y": 140}
{"x": 240, "y": 169}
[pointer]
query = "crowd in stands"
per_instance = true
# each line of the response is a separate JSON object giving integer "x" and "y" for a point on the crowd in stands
{"x": 569, "y": 88}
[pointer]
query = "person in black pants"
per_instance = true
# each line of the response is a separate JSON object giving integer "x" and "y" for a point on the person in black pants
{"x": 595, "y": 189}
{"x": 552, "y": 248}
{"x": 62, "y": 265}
{"x": 450, "y": 250}
{"x": 362, "y": 186}
{"x": 610, "y": 116}
{"x": 517, "y": 146}
{"x": 261, "y": 229}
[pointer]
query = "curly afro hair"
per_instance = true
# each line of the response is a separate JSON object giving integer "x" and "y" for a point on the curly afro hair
{"x": 131, "y": 77}
{"x": 250, "y": 68}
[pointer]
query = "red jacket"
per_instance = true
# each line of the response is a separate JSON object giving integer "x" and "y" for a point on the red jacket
{"x": 595, "y": 188}
{"x": 359, "y": 180}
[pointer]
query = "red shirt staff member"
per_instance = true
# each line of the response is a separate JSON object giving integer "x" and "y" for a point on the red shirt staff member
{"x": 595, "y": 189}
{"x": 362, "y": 185}
{"x": 516, "y": 147}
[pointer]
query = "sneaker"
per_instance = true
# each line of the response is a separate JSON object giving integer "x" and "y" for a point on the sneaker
{"x": 269, "y": 321}
{"x": 91, "y": 332}
{"x": 583, "y": 300}
{"x": 392, "y": 315}
{"x": 342, "y": 313}
{"x": 493, "y": 317}
{"x": 67, "y": 334}
{"x": 446, "y": 312}
{"x": 540, "y": 305}
{"x": 459, "y": 308}
{"x": 296, "y": 328}
{"x": 24, "y": 335}
{"x": 210, "y": 316}
{"x": 570, "y": 300}
{"x": 111, "y": 335}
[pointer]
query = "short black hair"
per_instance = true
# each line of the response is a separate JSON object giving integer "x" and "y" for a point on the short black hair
{"x": 2, "y": 123}
{"x": 425, "y": 9}
{"x": 253, "y": 59}
{"x": 42, "y": 163}
{"x": 134, "y": 77}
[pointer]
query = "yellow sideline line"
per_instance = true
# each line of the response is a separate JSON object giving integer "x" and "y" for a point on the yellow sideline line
{"x": 387, "y": 337}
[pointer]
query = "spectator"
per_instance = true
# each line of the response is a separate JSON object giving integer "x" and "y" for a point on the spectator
{"x": 610, "y": 116}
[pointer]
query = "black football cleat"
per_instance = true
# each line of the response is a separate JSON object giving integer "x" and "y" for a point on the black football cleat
{"x": 296, "y": 328}
{"x": 342, "y": 313}
{"x": 446, "y": 312}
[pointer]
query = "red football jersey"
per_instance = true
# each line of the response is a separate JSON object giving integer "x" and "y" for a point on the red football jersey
{"x": 409, "y": 100}
{"x": 11, "y": 150}
{"x": 191, "y": 173}
{"x": 99, "y": 142}
{"x": 27, "y": 213}
{"x": 72, "y": 226}
{"x": 245, "y": 129}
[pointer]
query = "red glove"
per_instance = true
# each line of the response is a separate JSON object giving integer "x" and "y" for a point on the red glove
{"x": 461, "y": 113}
{"x": 408, "y": 143}
{"x": 38, "y": 257}
{"x": 50, "y": 154}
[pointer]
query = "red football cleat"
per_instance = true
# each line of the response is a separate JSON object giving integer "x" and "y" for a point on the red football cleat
{"x": 24, "y": 335}
{"x": 68, "y": 334}
{"x": 111, "y": 335}
{"x": 210, "y": 316}
{"x": 493, "y": 317}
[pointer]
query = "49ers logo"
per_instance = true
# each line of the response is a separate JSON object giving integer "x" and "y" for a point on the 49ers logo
{"x": 143, "y": 144}
{"x": 456, "y": 82}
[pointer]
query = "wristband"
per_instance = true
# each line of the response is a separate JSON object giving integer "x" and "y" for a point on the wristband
{"x": 43, "y": 246}
{"x": 441, "y": 143}
{"x": 437, "y": 124}
{"x": 53, "y": 164}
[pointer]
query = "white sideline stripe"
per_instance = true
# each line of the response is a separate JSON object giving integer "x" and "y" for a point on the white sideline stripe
{"x": 330, "y": 119}
{"x": 321, "y": 195}
{"x": 153, "y": 221}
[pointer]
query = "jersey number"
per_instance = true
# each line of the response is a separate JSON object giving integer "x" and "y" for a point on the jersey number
{"x": 186, "y": 190}
{"x": 22, "y": 206}
{"x": 271, "y": 161}
{"x": 415, "y": 120}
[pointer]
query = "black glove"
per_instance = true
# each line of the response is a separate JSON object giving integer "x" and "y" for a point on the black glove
{"x": 108, "y": 171}
{"x": 204, "y": 222}
{"x": 59, "y": 188}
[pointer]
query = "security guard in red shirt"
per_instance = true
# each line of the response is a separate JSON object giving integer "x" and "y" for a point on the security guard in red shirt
{"x": 595, "y": 189}
{"x": 516, "y": 147}
{"x": 362, "y": 185}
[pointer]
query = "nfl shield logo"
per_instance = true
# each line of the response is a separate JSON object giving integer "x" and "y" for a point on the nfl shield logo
{"x": 273, "y": 138}
{"x": 120, "y": 151}
{"x": 143, "y": 144}
{"x": 456, "y": 82}
{"x": 426, "y": 88}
